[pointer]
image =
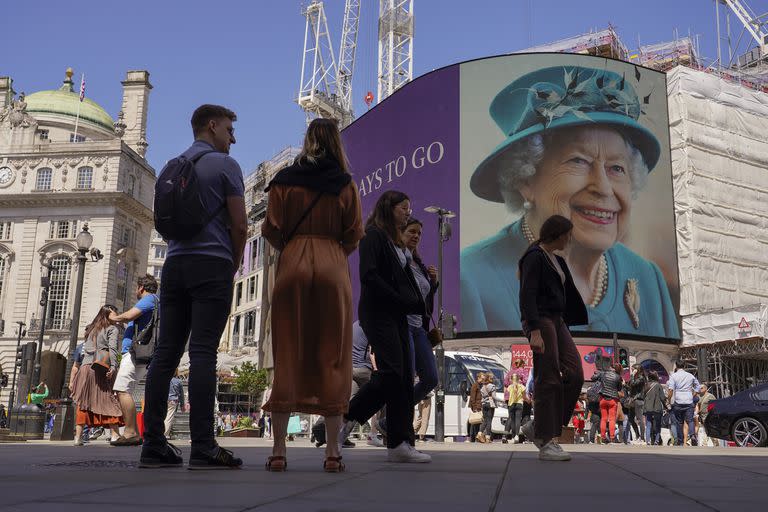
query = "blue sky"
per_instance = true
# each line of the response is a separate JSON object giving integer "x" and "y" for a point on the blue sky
{"x": 247, "y": 54}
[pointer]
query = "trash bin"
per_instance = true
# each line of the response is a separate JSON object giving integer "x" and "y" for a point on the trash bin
{"x": 28, "y": 421}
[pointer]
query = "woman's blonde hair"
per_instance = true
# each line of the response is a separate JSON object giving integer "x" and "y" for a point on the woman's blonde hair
{"x": 323, "y": 140}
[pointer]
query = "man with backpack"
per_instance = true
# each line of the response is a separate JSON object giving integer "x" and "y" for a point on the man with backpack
{"x": 141, "y": 318}
{"x": 200, "y": 211}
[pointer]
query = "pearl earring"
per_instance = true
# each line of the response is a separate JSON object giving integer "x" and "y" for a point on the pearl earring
{"x": 527, "y": 205}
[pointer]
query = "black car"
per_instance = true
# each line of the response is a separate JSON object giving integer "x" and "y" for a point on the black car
{"x": 741, "y": 418}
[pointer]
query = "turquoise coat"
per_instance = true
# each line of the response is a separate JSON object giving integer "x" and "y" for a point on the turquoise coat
{"x": 490, "y": 290}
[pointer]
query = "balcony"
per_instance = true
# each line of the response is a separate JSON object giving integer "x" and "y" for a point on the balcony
{"x": 51, "y": 325}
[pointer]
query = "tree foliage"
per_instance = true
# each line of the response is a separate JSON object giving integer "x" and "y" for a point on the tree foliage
{"x": 250, "y": 380}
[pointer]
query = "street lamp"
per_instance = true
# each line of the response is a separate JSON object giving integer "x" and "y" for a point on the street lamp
{"x": 64, "y": 424}
{"x": 444, "y": 234}
{"x": 16, "y": 363}
{"x": 45, "y": 283}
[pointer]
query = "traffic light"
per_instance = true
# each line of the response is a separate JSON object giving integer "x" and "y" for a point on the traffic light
{"x": 19, "y": 355}
{"x": 623, "y": 358}
{"x": 4, "y": 381}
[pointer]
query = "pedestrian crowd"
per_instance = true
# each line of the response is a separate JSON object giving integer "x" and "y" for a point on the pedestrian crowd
{"x": 380, "y": 369}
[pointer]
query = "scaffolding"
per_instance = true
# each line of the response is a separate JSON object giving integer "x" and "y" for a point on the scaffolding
{"x": 664, "y": 56}
{"x": 602, "y": 43}
{"x": 728, "y": 367}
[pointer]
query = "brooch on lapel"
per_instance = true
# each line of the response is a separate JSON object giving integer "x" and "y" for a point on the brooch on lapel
{"x": 632, "y": 301}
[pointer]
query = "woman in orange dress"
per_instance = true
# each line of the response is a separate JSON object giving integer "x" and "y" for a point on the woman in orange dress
{"x": 314, "y": 218}
{"x": 97, "y": 406}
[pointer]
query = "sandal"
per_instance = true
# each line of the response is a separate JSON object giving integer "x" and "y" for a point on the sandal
{"x": 333, "y": 465}
{"x": 276, "y": 464}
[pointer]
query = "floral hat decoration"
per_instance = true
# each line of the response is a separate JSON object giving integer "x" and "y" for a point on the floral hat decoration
{"x": 563, "y": 96}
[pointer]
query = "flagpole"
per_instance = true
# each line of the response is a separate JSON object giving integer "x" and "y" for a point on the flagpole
{"x": 79, "y": 103}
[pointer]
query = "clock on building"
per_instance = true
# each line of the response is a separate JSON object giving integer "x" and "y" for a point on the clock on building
{"x": 6, "y": 176}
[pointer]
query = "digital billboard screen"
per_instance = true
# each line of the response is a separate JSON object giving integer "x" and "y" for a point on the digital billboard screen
{"x": 505, "y": 142}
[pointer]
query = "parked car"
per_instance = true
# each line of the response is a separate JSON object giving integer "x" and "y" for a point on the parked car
{"x": 741, "y": 418}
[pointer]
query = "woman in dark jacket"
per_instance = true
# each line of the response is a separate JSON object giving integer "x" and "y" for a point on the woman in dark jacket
{"x": 654, "y": 402}
{"x": 424, "y": 362}
{"x": 609, "y": 401}
{"x": 388, "y": 294}
{"x": 549, "y": 303}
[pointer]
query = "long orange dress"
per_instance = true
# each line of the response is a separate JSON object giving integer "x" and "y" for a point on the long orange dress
{"x": 312, "y": 299}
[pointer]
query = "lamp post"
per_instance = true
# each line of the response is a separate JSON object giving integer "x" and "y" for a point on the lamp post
{"x": 45, "y": 283}
{"x": 444, "y": 234}
{"x": 64, "y": 424}
{"x": 12, "y": 399}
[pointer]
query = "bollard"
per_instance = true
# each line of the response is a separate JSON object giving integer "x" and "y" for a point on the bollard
{"x": 28, "y": 422}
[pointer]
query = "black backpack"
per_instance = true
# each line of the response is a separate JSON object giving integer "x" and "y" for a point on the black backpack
{"x": 593, "y": 393}
{"x": 145, "y": 341}
{"x": 180, "y": 213}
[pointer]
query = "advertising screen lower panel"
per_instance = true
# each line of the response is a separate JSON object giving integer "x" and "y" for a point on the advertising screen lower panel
{"x": 505, "y": 142}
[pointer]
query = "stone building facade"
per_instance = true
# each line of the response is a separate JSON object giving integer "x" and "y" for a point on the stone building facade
{"x": 64, "y": 164}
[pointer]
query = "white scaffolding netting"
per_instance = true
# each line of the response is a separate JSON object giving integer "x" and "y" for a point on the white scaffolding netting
{"x": 719, "y": 140}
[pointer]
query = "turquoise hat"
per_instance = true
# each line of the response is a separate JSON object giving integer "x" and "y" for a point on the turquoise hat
{"x": 563, "y": 96}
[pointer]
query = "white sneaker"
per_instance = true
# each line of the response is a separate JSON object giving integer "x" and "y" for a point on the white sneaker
{"x": 552, "y": 451}
{"x": 407, "y": 453}
{"x": 375, "y": 441}
{"x": 527, "y": 431}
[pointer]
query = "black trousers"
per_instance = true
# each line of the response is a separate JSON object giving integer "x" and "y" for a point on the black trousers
{"x": 391, "y": 385}
{"x": 195, "y": 300}
{"x": 558, "y": 377}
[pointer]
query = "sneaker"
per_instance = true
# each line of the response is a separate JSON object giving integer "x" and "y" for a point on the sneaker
{"x": 348, "y": 444}
{"x": 375, "y": 441}
{"x": 79, "y": 442}
{"x": 552, "y": 452}
{"x": 527, "y": 431}
{"x": 166, "y": 457}
{"x": 407, "y": 453}
{"x": 346, "y": 429}
{"x": 96, "y": 434}
{"x": 215, "y": 458}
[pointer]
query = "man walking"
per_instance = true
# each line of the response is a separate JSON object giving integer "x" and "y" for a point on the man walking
{"x": 131, "y": 370}
{"x": 175, "y": 401}
{"x": 681, "y": 388}
{"x": 197, "y": 294}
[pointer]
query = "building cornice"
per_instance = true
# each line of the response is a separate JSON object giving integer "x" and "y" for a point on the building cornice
{"x": 119, "y": 200}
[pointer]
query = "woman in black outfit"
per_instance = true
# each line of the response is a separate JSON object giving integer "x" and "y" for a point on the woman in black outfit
{"x": 388, "y": 294}
{"x": 549, "y": 303}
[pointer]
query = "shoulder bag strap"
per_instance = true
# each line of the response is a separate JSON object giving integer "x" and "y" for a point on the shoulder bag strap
{"x": 304, "y": 215}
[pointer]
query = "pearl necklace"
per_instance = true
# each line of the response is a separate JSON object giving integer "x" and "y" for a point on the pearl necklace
{"x": 601, "y": 279}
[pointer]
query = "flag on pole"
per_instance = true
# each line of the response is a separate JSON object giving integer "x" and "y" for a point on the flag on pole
{"x": 82, "y": 88}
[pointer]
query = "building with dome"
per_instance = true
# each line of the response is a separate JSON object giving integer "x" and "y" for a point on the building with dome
{"x": 66, "y": 164}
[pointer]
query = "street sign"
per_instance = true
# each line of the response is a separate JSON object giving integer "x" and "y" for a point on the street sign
{"x": 743, "y": 324}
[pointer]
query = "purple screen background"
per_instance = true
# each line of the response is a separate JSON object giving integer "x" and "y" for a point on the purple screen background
{"x": 424, "y": 113}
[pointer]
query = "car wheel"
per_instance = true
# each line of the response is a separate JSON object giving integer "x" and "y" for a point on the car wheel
{"x": 749, "y": 432}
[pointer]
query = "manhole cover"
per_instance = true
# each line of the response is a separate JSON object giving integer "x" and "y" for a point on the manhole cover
{"x": 92, "y": 464}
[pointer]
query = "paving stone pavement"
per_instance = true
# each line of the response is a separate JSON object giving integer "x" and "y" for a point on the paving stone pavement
{"x": 58, "y": 477}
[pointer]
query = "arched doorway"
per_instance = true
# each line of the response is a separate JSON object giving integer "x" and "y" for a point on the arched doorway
{"x": 53, "y": 366}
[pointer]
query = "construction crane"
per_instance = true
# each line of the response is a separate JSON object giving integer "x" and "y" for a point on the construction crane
{"x": 757, "y": 26}
{"x": 326, "y": 88}
{"x": 395, "y": 45}
{"x": 752, "y": 23}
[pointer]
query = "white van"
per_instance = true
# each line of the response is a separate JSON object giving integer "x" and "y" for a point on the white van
{"x": 461, "y": 368}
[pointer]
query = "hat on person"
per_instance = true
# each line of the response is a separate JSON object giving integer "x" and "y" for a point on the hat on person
{"x": 562, "y": 96}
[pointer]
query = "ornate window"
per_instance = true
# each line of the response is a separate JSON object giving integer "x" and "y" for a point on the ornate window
{"x": 76, "y": 138}
{"x": 5, "y": 230}
{"x": 58, "y": 297}
{"x": 43, "y": 134}
{"x": 251, "y": 288}
{"x": 62, "y": 229}
{"x": 160, "y": 251}
{"x": 85, "y": 178}
{"x": 44, "y": 179}
{"x": 128, "y": 237}
{"x": 131, "y": 185}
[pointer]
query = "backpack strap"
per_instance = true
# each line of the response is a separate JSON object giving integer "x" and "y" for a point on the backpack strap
{"x": 304, "y": 215}
{"x": 152, "y": 321}
{"x": 218, "y": 210}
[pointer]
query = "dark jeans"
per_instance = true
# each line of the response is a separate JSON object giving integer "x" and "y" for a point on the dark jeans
{"x": 638, "y": 415}
{"x": 424, "y": 362}
{"x": 387, "y": 386}
{"x": 195, "y": 300}
{"x": 558, "y": 379}
{"x": 654, "y": 419}
{"x": 485, "y": 426}
{"x": 473, "y": 430}
{"x": 632, "y": 421}
{"x": 680, "y": 414}
{"x": 514, "y": 420}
